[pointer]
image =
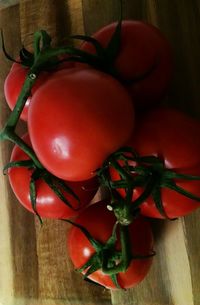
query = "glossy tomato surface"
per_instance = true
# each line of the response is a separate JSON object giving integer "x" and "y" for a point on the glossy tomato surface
{"x": 48, "y": 204}
{"x": 144, "y": 62}
{"x": 99, "y": 222}
{"x": 76, "y": 119}
{"x": 15, "y": 80}
{"x": 174, "y": 137}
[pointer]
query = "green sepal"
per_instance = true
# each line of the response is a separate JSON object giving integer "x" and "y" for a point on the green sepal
{"x": 33, "y": 193}
{"x": 156, "y": 194}
{"x": 75, "y": 55}
{"x": 58, "y": 187}
{"x": 92, "y": 265}
{"x": 4, "y": 49}
{"x": 26, "y": 57}
{"x": 173, "y": 186}
{"x": 100, "y": 51}
{"x": 96, "y": 245}
{"x": 115, "y": 281}
{"x": 118, "y": 184}
{"x": 21, "y": 163}
{"x": 113, "y": 47}
{"x": 151, "y": 160}
{"x": 148, "y": 189}
{"x": 120, "y": 169}
{"x": 169, "y": 174}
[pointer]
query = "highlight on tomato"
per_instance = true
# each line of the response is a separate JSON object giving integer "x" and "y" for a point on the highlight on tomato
{"x": 96, "y": 253}
{"x": 48, "y": 204}
{"x": 76, "y": 119}
{"x": 168, "y": 144}
{"x": 143, "y": 60}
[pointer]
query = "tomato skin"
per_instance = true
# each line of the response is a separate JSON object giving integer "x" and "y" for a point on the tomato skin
{"x": 144, "y": 51}
{"x": 80, "y": 249}
{"x": 89, "y": 116}
{"x": 175, "y": 138}
{"x": 48, "y": 204}
{"x": 15, "y": 80}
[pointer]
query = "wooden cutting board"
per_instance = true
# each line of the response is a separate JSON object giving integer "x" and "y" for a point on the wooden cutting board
{"x": 34, "y": 267}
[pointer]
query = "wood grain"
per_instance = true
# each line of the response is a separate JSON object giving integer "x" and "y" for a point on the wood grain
{"x": 34, "y": 265}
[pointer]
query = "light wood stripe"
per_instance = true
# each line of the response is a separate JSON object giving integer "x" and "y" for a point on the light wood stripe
{"x": 177, "y": 262}
{"x": 8, "y": 3}
{"x": 6, "y": 262}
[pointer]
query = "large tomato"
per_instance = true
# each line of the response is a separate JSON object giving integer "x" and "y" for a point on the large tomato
{"x": 144, "y": 61}
{"x": 48, "y": 205}
{"x": 15, "y": 80}
{"x": 99, "y": 222}
{"x": 76, "y": 119}
{"x": 174, "y": 137}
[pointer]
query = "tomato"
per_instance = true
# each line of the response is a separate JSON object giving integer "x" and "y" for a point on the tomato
{"x": 15, "y": 80}
{"x": 144, "y": 61}
{"x": 76, "y": 119}
{"x": 174, "y": 137}
{"x": 99, "y": 222}
{"x": 48, "y": 204}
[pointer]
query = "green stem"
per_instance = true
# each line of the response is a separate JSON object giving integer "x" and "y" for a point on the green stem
{"x": 36, "y": 43}
{"x": 24, "y": 94}
{"x": 125, "y": 244}
{"x": 126, "y": 255}
{"x": 8, "y": 134}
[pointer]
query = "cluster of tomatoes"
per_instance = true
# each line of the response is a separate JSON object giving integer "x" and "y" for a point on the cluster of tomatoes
{"x": 95, "y": 120}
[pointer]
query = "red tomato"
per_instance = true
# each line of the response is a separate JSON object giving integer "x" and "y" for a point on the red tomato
{"x": 144, "y": 51}
{"x": 76, "y": 119}
{"x": 80, "y": 249}
{"x": 175, "y": 138}
{"x": 48, "y": 204}
{"x": 15, "y": 80}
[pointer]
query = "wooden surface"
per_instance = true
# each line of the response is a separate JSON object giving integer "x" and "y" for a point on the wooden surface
{"x": 34, "y": 269}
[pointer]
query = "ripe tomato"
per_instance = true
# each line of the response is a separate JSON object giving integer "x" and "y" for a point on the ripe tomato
{"x": 76, "y": 119}
{"x": 99, "y": 222}
{"x": 48, "y": 204}
{"x": 144, "y": 61}
{"x": 174, "y": 137}
{"x": 15, "y": 80}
